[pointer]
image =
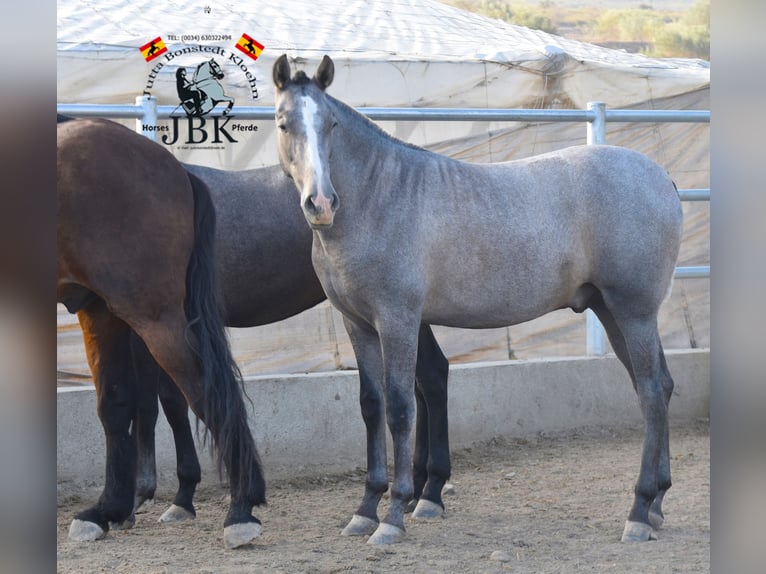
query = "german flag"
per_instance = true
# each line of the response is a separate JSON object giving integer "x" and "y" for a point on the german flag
{"x": 249, "y": 47}
{"x": 152, "y": 49}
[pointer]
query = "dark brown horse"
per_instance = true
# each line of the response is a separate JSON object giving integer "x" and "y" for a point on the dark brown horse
{"x": 135, "y": 236}
{"x": 265, "y": 273}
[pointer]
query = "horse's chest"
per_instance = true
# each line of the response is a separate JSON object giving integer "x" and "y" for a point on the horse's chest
{"x": 352, "y": 284}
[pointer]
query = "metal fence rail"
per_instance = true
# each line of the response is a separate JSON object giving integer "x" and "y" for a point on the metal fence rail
{"x": 146, "y": 111}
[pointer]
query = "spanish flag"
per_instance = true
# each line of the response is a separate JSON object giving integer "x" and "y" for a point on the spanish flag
{"x": 250, "y": 47}
{"x": 153, "y": 49}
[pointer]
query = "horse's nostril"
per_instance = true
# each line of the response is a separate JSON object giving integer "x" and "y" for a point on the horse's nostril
{"x": 308, "y": 205}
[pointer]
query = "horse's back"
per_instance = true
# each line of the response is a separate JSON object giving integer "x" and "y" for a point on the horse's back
{"x": 591, "y": 174}
{"x": 263, "y": 245}
{"x": 609, "y": 192}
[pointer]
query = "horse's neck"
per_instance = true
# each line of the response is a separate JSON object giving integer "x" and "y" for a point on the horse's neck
{"x": 373, "y": 174}
{"x": 368, "y": 153}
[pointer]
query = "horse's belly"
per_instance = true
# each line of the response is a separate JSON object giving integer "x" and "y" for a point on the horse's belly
{"x": 491, "y": 308}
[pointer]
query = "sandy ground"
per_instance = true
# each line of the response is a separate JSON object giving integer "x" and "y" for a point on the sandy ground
{"x": 547, "y": 504}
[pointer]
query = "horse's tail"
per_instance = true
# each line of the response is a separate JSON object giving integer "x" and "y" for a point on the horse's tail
{"x": 223, "y": 407}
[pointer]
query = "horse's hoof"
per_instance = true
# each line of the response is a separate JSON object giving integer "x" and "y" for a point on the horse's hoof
{"x": 238, "y": 535}
{"x": 126, "y": 524}
{"x": 142, "y": 502}
{"x": 638, "y": 532}
{"x": 359, "y": 526}
{"x": 386, "y": 534}
{"x": 83, "y": 531}
{"x": 427, "y": 509}
{"x": 176, "y": 514}
{"x": 656, "y": 520}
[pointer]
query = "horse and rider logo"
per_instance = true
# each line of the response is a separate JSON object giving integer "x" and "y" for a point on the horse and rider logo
{"x": 203, "y": 92}
{"x": 200, "y": 91}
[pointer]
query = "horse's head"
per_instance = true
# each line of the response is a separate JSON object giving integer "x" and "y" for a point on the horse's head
{"x": 305, "y": 125}
{"x": 215, "y": 70}
{"x": 208, "y": 69}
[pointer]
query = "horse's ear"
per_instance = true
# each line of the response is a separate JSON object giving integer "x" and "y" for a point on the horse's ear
{"x": 281, "y": 72}
{"x": 325, "y": 72}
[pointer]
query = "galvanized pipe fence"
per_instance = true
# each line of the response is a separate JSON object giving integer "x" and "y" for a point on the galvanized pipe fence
{"x": 147, "y": 112}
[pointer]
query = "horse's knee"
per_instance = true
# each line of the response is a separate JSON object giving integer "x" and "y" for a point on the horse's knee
{"x": 400, "y": 410}
{"x": 372, "y": 405}
{"x": 116, "y": 410}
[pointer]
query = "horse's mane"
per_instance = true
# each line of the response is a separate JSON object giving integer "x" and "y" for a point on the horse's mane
{"x": 301, "y": 79}
{"x": 372, "y": 126}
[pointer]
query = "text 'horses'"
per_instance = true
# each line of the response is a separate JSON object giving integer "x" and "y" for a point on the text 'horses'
{"x": 404, "y": 236}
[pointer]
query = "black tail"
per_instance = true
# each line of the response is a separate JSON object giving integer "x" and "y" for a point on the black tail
{"x": 223, "y": 409}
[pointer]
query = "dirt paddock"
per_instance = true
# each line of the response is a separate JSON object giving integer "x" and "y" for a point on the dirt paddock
{"x": 546, "y": 504}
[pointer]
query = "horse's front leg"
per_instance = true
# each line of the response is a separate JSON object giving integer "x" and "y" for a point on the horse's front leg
{"x": 366, "y": 346}
{"x": 399, "y": 349}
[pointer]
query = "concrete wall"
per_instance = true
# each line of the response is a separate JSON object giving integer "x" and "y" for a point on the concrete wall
{"x": 311, "y": 423}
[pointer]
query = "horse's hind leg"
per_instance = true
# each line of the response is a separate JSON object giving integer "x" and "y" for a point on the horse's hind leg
{"x": 431, "y": 459}
{"x": 153, "y": 381}
{"x": 187, "y": 464}
{"x": 107, "y": 347}
{"x": 654, "y": 386}
{"x": 147, "y": 411}
{"x": 656, "y": 516}
{"x": 169, "y": 342}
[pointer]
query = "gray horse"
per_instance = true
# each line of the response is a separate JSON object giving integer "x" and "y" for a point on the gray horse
{"x": 403, "y": 235}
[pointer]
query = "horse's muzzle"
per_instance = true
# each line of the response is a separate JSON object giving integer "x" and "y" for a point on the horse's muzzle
{"x": 320, "y": 209}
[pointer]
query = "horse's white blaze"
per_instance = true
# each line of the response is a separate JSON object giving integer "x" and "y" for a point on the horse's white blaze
{"x": 310, "y": 113}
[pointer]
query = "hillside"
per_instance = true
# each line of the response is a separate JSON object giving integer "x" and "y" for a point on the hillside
{"x": 658, "y": 28}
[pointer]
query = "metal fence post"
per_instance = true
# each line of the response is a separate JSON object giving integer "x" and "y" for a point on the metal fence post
{"x": 148, "y": 105}
{"x": 597, "y": 126}
{"x": 595, "y": 343}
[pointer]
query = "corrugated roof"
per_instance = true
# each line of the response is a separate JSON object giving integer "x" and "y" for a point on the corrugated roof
{"x": 400, "y": 29}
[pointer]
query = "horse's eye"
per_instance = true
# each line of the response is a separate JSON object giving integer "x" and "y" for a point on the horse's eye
{"x": 282, "y": 127}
